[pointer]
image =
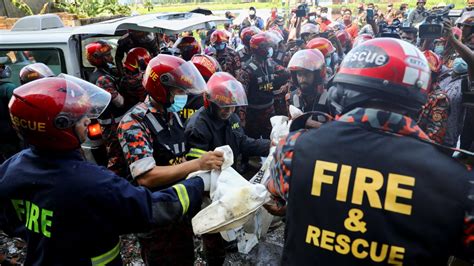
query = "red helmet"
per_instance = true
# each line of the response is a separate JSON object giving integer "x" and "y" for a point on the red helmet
{"x": 35, "y": 71}
{"x": 247, "y": 34}
{"x": 165, "y": 72}
{"x": 321, "y": 44}
{"x": 383, "y": 69}
{"x": 137, "y": 59}
{"x": 99, "y": 53}
{"x": 188, "y": 46}
{"x": 310, "y": 59}
{"x": 433, "y": 61}
{"x": 207, "y": 65}
{"x": 345, "y": 40}
{"x": 224, "y": 91}
{"x": 361, "y": 39}
{"x": 260, "y": 44}
{"x": 45, "y": 110}
{"x": 219, "y": 36}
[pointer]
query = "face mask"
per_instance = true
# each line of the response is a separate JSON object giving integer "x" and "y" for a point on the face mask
{"x": 439, "y": 49}
{"x": 459, "y": 66}
{"x": 312, "y": 18}
{"x": 220, "y": 46}
{"x": 179, "y": 103}
{"x": 324, "y": 15}
{"x": 270, "y": 52}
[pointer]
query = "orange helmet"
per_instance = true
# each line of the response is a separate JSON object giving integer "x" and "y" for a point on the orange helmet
{"x": 207, "y": 65}
{"x": 321, "y": 44}
{"x": 45, "y": 110}
{"x": 99, "y": 53}
{"x": 137, "y": 59}
{"x": 35, "y": 71}
{"x": 224, "y": 91}
{"x": 165, "y": 72}
{"x": 383, "y": 69}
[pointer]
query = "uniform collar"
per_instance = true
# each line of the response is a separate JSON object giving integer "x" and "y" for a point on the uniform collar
{"x": 385, "y": 121}
{"x": 72, "y": 154}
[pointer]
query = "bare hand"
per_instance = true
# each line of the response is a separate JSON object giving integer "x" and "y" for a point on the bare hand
{"x": 274, "y": 209}
{"x": 212, "y": 160}
{"x": 448, "y": 29}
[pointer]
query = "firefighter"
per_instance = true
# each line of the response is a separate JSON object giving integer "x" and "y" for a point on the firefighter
{"x": 329, "y": 52}
{"x": 226, "y": 56}
{"x": 35, "y": 71}
{"x": 99, "y": 55}
{"x": 134, "y": 68}
{"x": 132, "y": 39}
{"x": 365, "y": 176}
{"x": 245, "y": 35}
{"x": 308, "y": 72}
{"x": 207, "y": 66}
{"x": 152, "y": 138}
{"x": 216, "y": 124}
{"x": 309, "y": 31}
{"x": 258, "y": 77}
{"x": 187, "y": 46}
{"x": 70, "y": 211}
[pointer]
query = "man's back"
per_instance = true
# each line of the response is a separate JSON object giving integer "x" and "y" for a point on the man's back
{"x": 373, "y": 195}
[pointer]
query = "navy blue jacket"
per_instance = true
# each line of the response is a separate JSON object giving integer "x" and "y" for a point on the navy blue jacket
{"x": 71, "y": 212}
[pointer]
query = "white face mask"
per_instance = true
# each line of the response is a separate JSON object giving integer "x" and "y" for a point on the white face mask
{"x": 270, "y": 52}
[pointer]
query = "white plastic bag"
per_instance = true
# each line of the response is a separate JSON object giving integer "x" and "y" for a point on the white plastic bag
{"x": 234, "y": 199}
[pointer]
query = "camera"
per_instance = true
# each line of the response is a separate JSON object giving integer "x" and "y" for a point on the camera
{"x": 302, "y": 10}
{"x": 389, "y": 30}
{"x": 432, "y": 27}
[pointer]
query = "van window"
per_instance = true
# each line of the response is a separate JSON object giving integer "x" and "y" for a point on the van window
{"x": 18, "y": 58}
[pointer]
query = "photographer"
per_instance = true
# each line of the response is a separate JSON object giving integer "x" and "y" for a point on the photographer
{"x": 417, "y": 15}
{"x": 409, "y": 34}
{"x": 465, "y": 46}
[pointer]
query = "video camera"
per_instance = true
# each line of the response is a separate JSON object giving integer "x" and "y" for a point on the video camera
{"x": 302, "y": 11}
{"x": 432, "y": 27}
{"x": 389, "y": 30}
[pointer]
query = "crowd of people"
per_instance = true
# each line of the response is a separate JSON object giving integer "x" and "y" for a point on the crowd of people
{"x": 376, "y": 170}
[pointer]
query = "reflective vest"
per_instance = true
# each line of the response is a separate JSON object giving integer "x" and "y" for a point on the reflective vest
{"x": 363, "y": 197}
{"x": 260, "y": 88}
{"x": 319, "y": 105}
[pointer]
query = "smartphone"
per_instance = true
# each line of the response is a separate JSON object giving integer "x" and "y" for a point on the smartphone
{"x": 370, "y": 14}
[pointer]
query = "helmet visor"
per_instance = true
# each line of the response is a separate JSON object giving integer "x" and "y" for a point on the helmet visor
{"x": 307, "y": 60}
{"x": 185, "y": 77}
{"x": 230, "y": 93}
{"x": 83, "y": 99}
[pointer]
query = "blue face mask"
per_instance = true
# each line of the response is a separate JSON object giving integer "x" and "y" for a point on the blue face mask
{"x": 439, "y": 49}
{"x": 220, "y": 46}
{"x": 459, "y": 66}
{"x": 270, "y": 52}
{"x": 6, "y": 72}
{"x": 179, "y": 103}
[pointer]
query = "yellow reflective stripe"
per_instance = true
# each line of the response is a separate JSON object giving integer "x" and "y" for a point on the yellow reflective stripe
{"x": 106, "y": 257}
{"x": 183, "y": 196}
{"x": 194, "y": 152}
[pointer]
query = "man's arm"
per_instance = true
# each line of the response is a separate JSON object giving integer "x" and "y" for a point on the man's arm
{"x": 278, "y": 184}
{"x": 464, "y": 51}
